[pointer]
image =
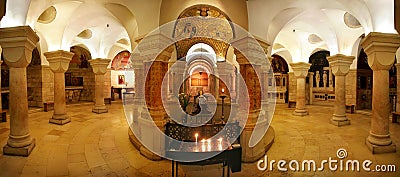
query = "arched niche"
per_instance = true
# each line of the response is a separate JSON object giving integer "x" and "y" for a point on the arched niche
{"x": 122, "y": 73}
{"x": 364, "y": 82}
{"x": 319, "y": 65}
{"x": 79, "y": 78}
{"x": 200, "y": 68}
{"x": 200, "y": 20}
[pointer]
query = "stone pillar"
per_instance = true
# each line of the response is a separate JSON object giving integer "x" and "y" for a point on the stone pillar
{"x": 317, "y": 78}
{"x": 340, "y": 65}
{"x": 17, "y": 44}
{"x": 300, "y": 72}
{"x": 99, "y": 67}
{"x": 380, "y": 49}
{"x": 311, "y": 74}
{"x": 59, "y": 63}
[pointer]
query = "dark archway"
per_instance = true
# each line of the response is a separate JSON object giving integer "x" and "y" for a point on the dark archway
{"x": 318, "y": 61}
{"x": 280, "y": 69}
{"x": 364, "y": 82}
{"x": 279, "y": 64}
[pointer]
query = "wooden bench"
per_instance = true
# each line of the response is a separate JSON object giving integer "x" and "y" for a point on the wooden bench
{"x": 107, "y": 100}
{"x": 3, "y": 116}
{"x": 47, "y": 106}
{"x": 394, "y": 116}
{"x": 351, "y": 108}
{"x": 291, "y": 104}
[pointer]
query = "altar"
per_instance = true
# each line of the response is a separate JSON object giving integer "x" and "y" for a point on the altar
{"x": 204, "y": 145}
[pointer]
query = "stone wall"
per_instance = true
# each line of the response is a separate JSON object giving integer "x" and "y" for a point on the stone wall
{"x": 47, "y": 84}
{"x": 351, "y": 87}
{"x": 34, "y": 83}
{"x": 87, "y": 93}
{"x": 292, "y": 86}
{"x": 107, "y": 84}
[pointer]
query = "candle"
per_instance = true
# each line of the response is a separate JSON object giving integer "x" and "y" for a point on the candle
{"x": 196, "y": 135}
{"x": 220, "y": 144}
{"x": 223, "y": 90}
{"x": 208, "y": 145}
{"x": 203, "y": 147}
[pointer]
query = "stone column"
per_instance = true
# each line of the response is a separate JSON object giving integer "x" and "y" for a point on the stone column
{"x": 17, "y": 44}
{"x": 99, "y": 67}
{"x": 380, "y": 49}
{"x": 300, "y": 71}
{"x": 59, "y": 63}
{"x": 340, "y": 65}
{"x": 311, "y": 74}
{"x": 317, "y": 78}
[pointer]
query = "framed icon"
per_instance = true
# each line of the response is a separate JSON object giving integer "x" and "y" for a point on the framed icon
{"x": 121, "y": 79}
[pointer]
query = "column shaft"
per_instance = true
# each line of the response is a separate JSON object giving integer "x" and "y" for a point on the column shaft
{"x": 340, "y": 100}
{"x": 301, "y": 97}
{"x": 19, "y": 127}
{"x": 59, "y": 96}
{"x": 379, "y": 133}
{"x": 20, "y": 141}
{"x": 99, "y": 93}
{"x": 311, "y": 84}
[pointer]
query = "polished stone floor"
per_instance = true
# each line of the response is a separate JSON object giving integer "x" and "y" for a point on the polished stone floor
{"x": 98, "y": 145}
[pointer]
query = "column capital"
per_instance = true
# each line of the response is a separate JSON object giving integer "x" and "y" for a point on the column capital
{"x": 248, "y": 50}
{"x": 264, "y": 44}
{"x": 155, "y": 45}
{"x": 18, "y": 43}
{"x": 99, "y": 65}
{"x": 381, "y": 49}
{"x": 59, "y": 60}
{"x": 300, "y": 69}
{"x": 340, "y": 64}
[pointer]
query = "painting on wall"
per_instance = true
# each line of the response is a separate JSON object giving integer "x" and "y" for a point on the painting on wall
{"x": 121, "y": 79}
{"x": 121, "y": 61}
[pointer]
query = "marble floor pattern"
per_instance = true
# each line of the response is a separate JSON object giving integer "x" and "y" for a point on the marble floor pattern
{"x": 98, "y": 145}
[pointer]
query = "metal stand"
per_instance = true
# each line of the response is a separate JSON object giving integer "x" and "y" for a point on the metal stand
{"x": 222, "y": 115}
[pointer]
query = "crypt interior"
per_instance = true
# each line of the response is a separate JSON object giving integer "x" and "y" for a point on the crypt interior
{"x": 91, "y": 88}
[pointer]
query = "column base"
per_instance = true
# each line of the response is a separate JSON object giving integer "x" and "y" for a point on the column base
{"x": 377, "y": 149}
{"x": 300, "y": 112}
{"x": 19, "y": 151}
{"x": 339, "y": 120}
{"x": 60, "y": 119}
{"x": 99, "y": 109}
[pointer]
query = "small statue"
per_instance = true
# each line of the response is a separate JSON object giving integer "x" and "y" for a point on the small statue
{"x": 201, "y": 104}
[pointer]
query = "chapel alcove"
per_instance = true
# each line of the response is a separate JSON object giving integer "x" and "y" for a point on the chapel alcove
{"x": 323, "y": 81}
{"x": 364, "y": 82}
{"x": 34, "y": 80}
{"x": 280, "y": 69}
{"x": 122, "y": 76}
{"x": 79, "y": 78}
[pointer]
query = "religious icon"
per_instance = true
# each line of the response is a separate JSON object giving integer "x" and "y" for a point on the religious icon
{"x": 121, "y": 79}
